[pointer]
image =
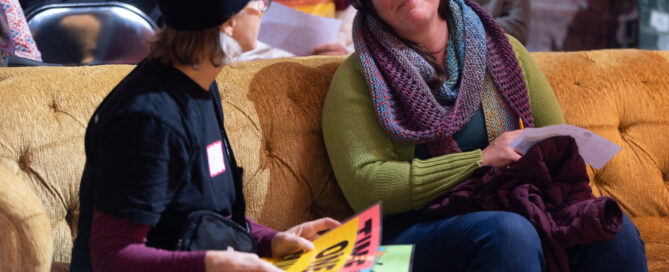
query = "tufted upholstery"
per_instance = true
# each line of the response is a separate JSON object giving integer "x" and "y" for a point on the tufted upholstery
{"x": 623, "y": 95}
{"x": 272, "y": 110}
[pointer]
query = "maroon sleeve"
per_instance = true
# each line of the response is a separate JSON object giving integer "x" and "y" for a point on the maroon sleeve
{"x": 264, "y": 236}
{"x": 119, "y": 245}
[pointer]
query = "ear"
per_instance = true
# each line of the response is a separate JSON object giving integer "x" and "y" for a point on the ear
{"x": 228, "y": 26}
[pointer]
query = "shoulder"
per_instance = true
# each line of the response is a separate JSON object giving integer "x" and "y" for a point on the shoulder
{"x": 349, "y": 77}
{"x": 142, "y": 106}
{"x": 350, "y": 67}
{"x": 522, "y": 55}
{"x": 348, "y": 89}
{"x": 348, "y": 83}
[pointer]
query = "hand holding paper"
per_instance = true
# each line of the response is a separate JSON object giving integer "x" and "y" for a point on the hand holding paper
{"x": 594, "y": 149}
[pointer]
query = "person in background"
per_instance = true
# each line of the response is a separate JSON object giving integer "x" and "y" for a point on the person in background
{"x": 435, "y": 91}
{"x": 512, "y": 15}
{"x": 156, "y": 152}
{"x": 22, "y": 39}
{"x": 340, "y": 9}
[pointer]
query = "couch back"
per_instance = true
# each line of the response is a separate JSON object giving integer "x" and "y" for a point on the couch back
{"x": 272, "y": 114}
{"x": 622, "y": 95}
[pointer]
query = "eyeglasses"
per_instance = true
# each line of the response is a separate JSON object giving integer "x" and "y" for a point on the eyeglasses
{"x": 265, "y": 5}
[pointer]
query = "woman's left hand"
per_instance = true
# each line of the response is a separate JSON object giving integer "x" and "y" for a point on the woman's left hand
{"x": 299, "y": 237}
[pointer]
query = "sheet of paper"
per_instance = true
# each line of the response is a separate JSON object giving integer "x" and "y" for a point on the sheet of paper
{"x": 295, "y": 31}
{"x": 659, "y": 20}
{"x": 594, "y": 149}
{"x": 392, "y": 258}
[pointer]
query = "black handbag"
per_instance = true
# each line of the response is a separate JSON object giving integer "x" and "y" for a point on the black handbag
{"x": 208, "y": 230}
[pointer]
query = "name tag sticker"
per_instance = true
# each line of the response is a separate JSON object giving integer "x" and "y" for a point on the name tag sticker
{"x": 215, "y": 157}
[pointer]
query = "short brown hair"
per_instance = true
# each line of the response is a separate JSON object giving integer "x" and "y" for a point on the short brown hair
{"x": 183, "y": 47}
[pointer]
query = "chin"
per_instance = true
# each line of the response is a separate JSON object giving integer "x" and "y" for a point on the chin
{"x": 249, "y": 46}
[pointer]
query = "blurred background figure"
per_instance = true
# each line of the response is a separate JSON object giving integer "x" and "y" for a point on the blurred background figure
{"x": 602, "y": 24}
{"x": 571, "y": 25}
{"x": 339, "y": 9}
{"x": 512, "y": 15}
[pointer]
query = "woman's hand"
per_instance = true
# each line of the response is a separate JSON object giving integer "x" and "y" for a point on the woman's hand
{"x": 299, "y": 237}
{"x": 499, "y": 153}
{"x": 224, "y": 261}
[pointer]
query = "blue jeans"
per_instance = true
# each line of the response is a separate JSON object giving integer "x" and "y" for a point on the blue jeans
{"x": 503, "y": 241}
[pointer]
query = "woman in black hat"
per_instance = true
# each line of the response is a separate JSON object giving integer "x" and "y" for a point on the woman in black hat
{"x": 157, "y": 155}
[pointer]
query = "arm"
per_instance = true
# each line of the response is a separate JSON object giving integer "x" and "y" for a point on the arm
{"x": 264, "y": 236}
{"x": 118, "y": 245}
{"x": 543, "y": 103}
{"x": 139, "y": 161}
{"x": 344, "y": 45}
{"x": 368, "y": 165}
{"x": 515, "y": 18}
{"x": 142, "y": 163}
{"x": 345, "y": 36}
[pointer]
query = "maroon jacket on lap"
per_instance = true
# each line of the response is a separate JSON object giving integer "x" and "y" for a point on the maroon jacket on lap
{"x": 549, "y": 187}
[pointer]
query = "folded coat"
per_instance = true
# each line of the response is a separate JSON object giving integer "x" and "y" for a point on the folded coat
{"x": 549, "y": 187}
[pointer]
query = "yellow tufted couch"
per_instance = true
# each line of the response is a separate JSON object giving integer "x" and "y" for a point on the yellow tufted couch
{"x": 272, "y": 111}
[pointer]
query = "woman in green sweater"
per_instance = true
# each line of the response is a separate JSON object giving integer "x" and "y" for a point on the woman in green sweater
{"x": 434, "y": 91}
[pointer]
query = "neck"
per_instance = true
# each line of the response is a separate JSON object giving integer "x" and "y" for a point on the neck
{"x": 204, "y": 75}
{"x": 433, "y": 36}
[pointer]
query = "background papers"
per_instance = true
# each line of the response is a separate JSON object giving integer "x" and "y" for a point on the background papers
{"x": 295, "y": 31}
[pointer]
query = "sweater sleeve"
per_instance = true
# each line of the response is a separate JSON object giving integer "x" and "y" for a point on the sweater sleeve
{"x": 264, "y": 236}
{"x": 119, "y": 245}
{"x": 368, "y": 165}
{"x": 543, "y": 103}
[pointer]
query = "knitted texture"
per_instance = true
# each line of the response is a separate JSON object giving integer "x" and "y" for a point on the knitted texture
{"x": 406, "y": 107}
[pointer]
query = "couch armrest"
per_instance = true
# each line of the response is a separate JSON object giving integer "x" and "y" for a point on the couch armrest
{"x": 26, "y": 243}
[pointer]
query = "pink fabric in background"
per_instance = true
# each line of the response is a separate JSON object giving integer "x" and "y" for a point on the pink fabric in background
{"x": 24, "y": 45}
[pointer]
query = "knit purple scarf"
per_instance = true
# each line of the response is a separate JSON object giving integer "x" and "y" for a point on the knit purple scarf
{"x": 406, "y": 107}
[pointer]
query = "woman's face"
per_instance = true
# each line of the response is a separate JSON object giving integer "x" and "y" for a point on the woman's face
{"x": 406, "y": 16}
{"x": 247, "y": 25}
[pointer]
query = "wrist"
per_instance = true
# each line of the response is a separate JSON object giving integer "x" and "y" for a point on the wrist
{"x": 211, "y": 260}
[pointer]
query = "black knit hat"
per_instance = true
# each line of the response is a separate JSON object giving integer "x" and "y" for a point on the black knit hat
{"x": 198, "y": 14}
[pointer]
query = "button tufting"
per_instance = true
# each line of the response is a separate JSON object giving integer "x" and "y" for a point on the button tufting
{"x": 24, "y": 162}
{"x": 54, "y": 106}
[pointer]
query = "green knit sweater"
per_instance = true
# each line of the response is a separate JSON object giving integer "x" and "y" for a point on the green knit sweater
{"x": 370, "y": 166}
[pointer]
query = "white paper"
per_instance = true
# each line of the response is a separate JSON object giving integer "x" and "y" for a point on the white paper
{"x": 295, "y": 31}
{"x": 594, "y": 149}
{"x": 659, "y": 20}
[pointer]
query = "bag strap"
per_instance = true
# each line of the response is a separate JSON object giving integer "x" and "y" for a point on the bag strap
{"x": 239, "y": 207}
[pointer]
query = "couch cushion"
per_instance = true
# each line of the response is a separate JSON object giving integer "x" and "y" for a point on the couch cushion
{"x": 26, "y": 238}
{"x": 273, "y": 116}
{"x": 655, "y": 234}
{"x": 44, "y": 114}
{"x": 272, "y": 110}
{"x": 622, "y": 95}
